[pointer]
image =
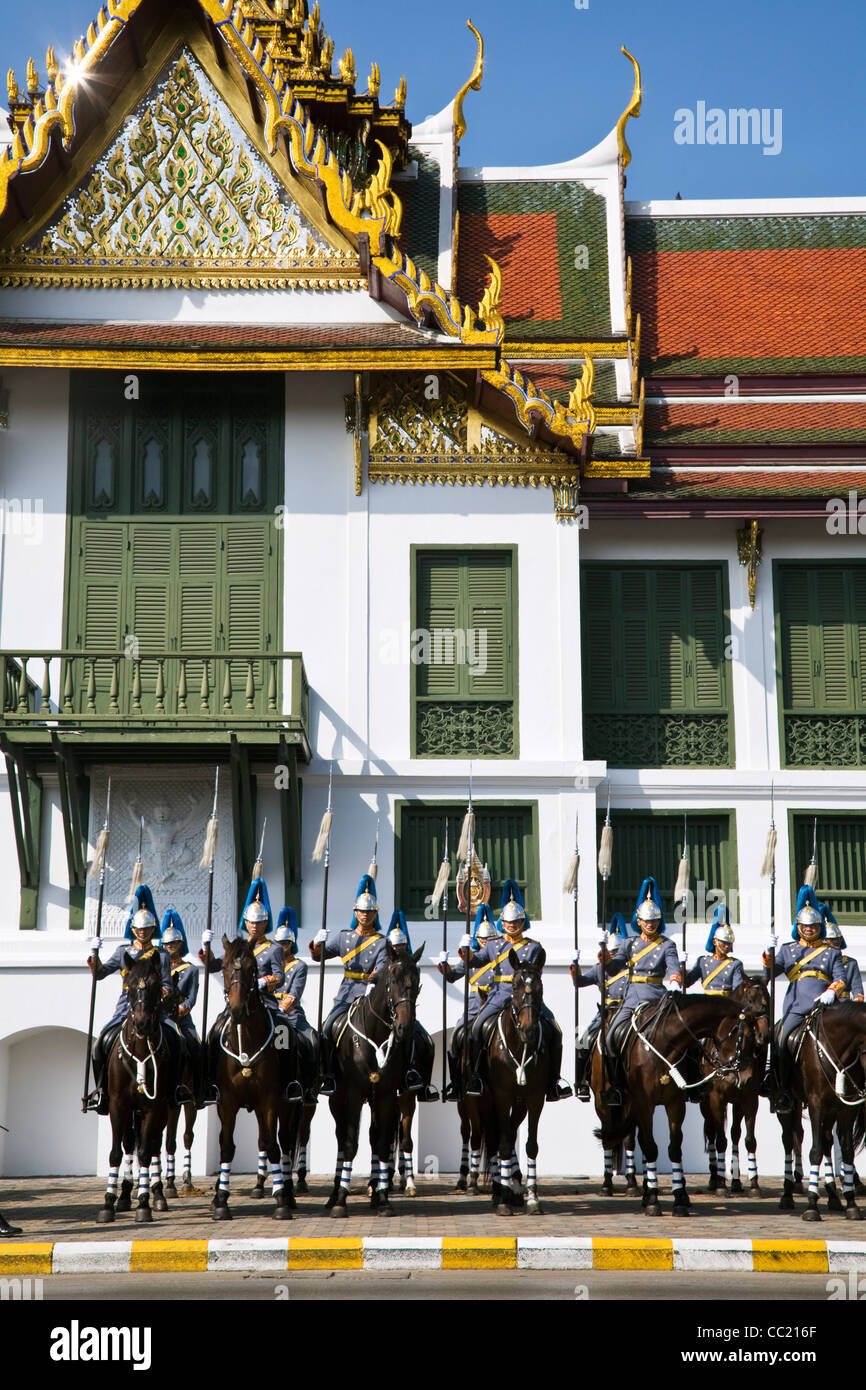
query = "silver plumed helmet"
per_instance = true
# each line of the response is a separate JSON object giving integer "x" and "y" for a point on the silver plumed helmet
{"x": 808, "y": 916}
{"x": 724, "y": 933}
{"x": 255, "y": 913}
{"x": 365, "y": 902}
{"x": 649, "y": 911}
{"x": 144, "y": 920}
{"x": 485, "y": 931}
{"x": 513, "y": 912}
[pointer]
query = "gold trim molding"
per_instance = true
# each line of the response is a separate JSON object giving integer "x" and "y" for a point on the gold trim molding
{"x": 309, "y": 359}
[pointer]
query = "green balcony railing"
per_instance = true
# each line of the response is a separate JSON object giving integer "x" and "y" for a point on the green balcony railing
{"x": 129, "y": 690}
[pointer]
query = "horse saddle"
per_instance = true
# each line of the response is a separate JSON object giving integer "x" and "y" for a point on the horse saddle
{"x": 795, "y": 1038}
{"x": 487, "y": 1028}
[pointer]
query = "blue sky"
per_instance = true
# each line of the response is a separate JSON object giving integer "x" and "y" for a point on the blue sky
{"x": 555, "y": 81}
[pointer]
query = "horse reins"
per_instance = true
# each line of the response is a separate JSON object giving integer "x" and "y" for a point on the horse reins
{"x": 519, "y": 1067}
{"x": 840, "y": 1072}
{"x": 139, "y": 1075}
{"x": 242, "y": 1058}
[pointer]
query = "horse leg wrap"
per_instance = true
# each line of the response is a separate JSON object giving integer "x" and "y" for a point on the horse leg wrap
{"x": 464, "y": 1159}
{"x": 629, "y": 1162}
{"x": 302, "y": 1161}
{"x": 530, "y": 1176}
{"x": 829, "y": 1175}
{"x": 276, "y": 1178}
{"x": 848, "y": 1179}
{"x": 143, "y": 1184}
{"x": 384, "y": 1177}
{"x": 406, "y": 1162}
{"x": 652, "y": 1181}
{"x": 169, "y": 1168}
{"x": 789, "y": 1167}
{"x": 474, "y": 1160}
{"x": 608, "y": 1163}
{"x": 374, "y": 1171}
{"x": 262, "y": 1168}
{"x": 735, "y": 1161}
{"x": 223, "y": 1179}
{"x": 814, "y": 1174}
{"x": 155, "y": 1171}
{"x": 346, "y": 1176}
{"x": 752, "y": 1161}
{"x": 494, "y": 1168}
{"x": 505, "y": 1172}
{"x": 712, "y": 1160}
{"x": 677, "y": 1180}
{"x": 111, "y": 1185}
{"x": 286, "y": 1167}
{"x": 127, "y": 1168}
{"x": 187, "y": 1168}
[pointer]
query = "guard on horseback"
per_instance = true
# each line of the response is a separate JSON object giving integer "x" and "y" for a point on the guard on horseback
{"x": 184, "y": 979}
{"x": 479, "y": 988}
{"x": 816, "y": 976}
{"x": 616, "y": 982}
{"x": 362, "y": 948}
{"x": 257, "y": 921}
{"x": 419, "y": 1072}
{"x": 288, "y": 997}
{"x": 495, "y": 954}
{"x": 138, "y": 943}
{"x": 720, "y": 973}
{"x": 650, "y": 957}
{"x": 853, "y": 982}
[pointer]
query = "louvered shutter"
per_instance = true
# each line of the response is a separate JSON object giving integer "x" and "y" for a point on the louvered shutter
{"x": 830, "y": 616}
{"x": 100, "y": 575}
{"x": 504, "y": 841}
{"x": 199, "y": 567}
{"x": 672, "y": 641}
{"x": 150, "y": 597}
{"x": 488, "y": 607}
{"x": 707, "y": 680}
{"x": 636, "y": 666}
{"x": 440, "y": 614}
{"x": 246, "y": 602}
{"x": 652, "y": 844}
{"x": 797, "y": 661}
{"x": 599, "y": 626}
{"x": 858, "y": 617}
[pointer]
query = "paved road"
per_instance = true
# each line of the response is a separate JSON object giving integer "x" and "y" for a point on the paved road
{"x": 521, "y": 1284}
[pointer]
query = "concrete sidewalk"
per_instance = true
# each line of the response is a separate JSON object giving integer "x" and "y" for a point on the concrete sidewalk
{"x": 579, "y": 1228}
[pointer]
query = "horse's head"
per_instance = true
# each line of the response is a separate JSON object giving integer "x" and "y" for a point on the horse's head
{"x": 527, "y": 995}
{"x": 401, "y": 982}
{"x": 754, "y": 1002}
{"x": 144, "y": 992}
{"x": 240, "y": 977}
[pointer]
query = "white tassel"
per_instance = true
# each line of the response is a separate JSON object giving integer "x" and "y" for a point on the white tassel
{"x": 441, "y": 883}
{"x": 769, "y": 853}
{"x": 810, "y": 878}
{"x": 258, "y": 870}
{"x": 571, "y": 874}
{"x": 210, "y": 843}
{"x": 324, "y": 832}
{"x": 137, "y": 880}
{"x": 605, "y": 852}
{"x": 373, "y": 870}
{"x": 99, "y": 856}
{"x": 682, "y": 887}
{"x": 467, "y": 833}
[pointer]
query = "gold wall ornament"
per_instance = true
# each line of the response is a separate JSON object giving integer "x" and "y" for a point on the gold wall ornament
{"x": 180, "y": 187}
{"x": 357, "y": 407}
{"x": 472, "y": 84}
{"x": 580, "y": 399}
{"x": 628, "y": 297}
{"x": 631, "y": 111}
{"x": 489, "y": 310}
{"x": 639, "y": 419}
{"x": 750, "y": 553}
{"x": 566, "y": 500}
{"x": 479, "y": 884}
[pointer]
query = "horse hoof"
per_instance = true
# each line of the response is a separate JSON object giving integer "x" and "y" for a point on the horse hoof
{"x": 607, "y": 1189}
{"x": 853, "y": 1213}
{"x": 301, "y": 1186}
{"x": 811, "y": 1214}
{"x": 736, "y": 1185}
{"x": 834, "y": 1203}
{"x": 104, "y": 1216}
{"x": 171, "y": 1190}
{"x": 755, "y": 1188}
{"x": 787, "y": 1203}
{"x": 339, "y": 1213}
{"x": 221, "y": 1214}
{"x": 257, "y": 1193}
{"x": 712, "y": 1185}
{"x": 681, "y": 1211}
{"x": 282, "y": 1213}
{"x": 123, "y": 1204}
{"x": 460, "y": 1185}
{"x": 473, "y": 1186}
{"x": 534, "y": 1209}
{"x": 143, "y": 1216}
{"x": 632, "y": 1190}
{"x": 652, "y": 1209}
{"x": 631, "y": 1182}
{"x": 159, "y": 1204}
{"x": 798, "y": 1186}
{"x": 503, "y": 1210}
{"x": 385, "y": 1209}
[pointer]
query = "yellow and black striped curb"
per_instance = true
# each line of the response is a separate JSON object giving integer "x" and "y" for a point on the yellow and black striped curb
{"x": 280, "y": 1255}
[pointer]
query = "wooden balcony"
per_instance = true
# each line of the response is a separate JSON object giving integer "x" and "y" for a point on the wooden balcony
{"x": 196, "y": 696}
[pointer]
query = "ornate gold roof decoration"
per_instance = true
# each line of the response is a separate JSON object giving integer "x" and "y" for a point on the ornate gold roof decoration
{"x": 632, "y": 110}
{"x": 489, "y": 310}
{"x": 179, "y": 194}
{"x": 378, "y": 198}
{"x": 580, "y": 399}
{"x": 532, "y": 405}
{"x": 424, "y": 297}
{"x": 473, "y": 84}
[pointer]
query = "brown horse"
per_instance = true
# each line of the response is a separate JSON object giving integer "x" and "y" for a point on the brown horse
{"x": 660, "y": 1038}
{"x": 140, "y": 1077}
{"x": 829, "y": 1078}
{"x": 741, "y": 1092}
{"x": 247, "y": 1074}
{"x": 518, "y": 1061}
{"x": 372, "y": 1050}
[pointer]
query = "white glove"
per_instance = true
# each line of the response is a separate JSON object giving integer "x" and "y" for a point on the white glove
{"x": 774, "y": 941}
{"x": 465, "y": 943}
{"x": 321, "y": 937}
{"x": 674, "y": 988}
{"x": 442, "y": 958}
{"x": 575, "y": 958}
{"x": 369, "y": 990}
{"x": 95, "y": 943}
{"x": 828, "y": 997}
{"x": 263, "y": 982}
{"x": 206, "y": 937}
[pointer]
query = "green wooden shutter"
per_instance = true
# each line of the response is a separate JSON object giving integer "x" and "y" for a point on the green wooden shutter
{"x": 440, "y": 614}
{"x": 797, "y": 661}
{"x": 247, "y": 617}
{"x": 636, "y": 666}
{"x": 707, "y": 677}
{"x": 671, "y": 613}
{"x": 830, "y": 619}
{"x": 198, "y": 603}
{"x": 601, "y": 601}
{"x": 506, "y": 841}
{"x": 858, "y": 619}
{"x": 100, "y": 575}
{"x": 653, "y": 844}
{"x": 488, "y": 611}
{"x": 150, "y": 591}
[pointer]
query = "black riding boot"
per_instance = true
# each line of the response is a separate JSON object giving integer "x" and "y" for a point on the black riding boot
{"x": 98, "y": 1097}
{"x": 784, "y": 1102}
{"x": 328, "y": 1083}
{"x": 557, "y": 1089}
{"x": 581, "y": 1082}
{"x": 7, "y": 1229}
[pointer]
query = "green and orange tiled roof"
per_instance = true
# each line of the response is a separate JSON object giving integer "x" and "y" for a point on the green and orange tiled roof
{"x": 540, "y": 233}
{"x": 756, "y": 294}
{"x": 755, "y": 422}
{"x": 419, "y": 234}
{"x": 728, "y": 483}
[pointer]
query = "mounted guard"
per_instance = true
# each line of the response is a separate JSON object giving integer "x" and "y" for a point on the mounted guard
{"x": 419, "y": 1068}
{"x": 362, "y": 948}
{"x": 616, "y": 983}
{"x": 480, "y": 981}
{"x": 851, "y": 969}
{"x": 720, "y": 973}
{"x": 288, "y": 998}
{"x": 649, "y": 956}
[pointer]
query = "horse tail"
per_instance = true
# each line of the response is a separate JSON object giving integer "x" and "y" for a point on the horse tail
{"x": 612, "y": 1133}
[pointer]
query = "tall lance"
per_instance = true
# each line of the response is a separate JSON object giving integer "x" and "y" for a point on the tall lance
{"x": 98, "y": 867}
{"x": 138, "y": 866}
{"x": 768, "y": 870}
{"x": 440, "y": 894}
{"x": 323, "y": 851}
{"x": 811, "y": 875}
{"x": 681, "y": 891}
{"x": 570, "y": 886}
{"x": 259, "y": 866}
{"x": 207, "y": 862}
{"x": 605, "y": 861}
{"x": 373, "y": 869}
{"x": 464, "y": 851}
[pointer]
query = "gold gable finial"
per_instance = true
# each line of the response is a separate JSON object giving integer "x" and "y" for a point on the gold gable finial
{"x": 327, "y": 55}
{"x": 489, "y": 310}
{"x": 12, "y": 87}
{"x": 373, "y": 198}
{"x": 580, "y": 400}
{"x": 400, "y": 94}
{"x": 347, "y": 68}
{"x": 473, "y": 84}
{"x": 374, "y": 80}
{"x": 32, "y": 78}
{"x": 51, "y": 67}
{"x": 633, "y": 109}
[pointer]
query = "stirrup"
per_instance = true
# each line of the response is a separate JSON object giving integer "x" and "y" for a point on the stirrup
{"x": 428, "y": 1092}
{"x": 183, "y": 1095}
{"x": 559, "y": 1090}
{"x": 611, "y": 1097}
{"x": 293, "y": 1092}
{"x": 475, "y": 1086}
{"x": 452, "y": 1091}
{"x": 327, "y": 1086}
{"x": 582, "y": 1091}
{"x": 311, "y": 1096}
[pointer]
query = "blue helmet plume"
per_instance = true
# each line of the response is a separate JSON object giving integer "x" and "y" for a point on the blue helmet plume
{"x": 810, "y": 908}
{"x": 143, "y": 898}
{"x": 511, "y": 892}
{"x": 618, "y": 926}
{"x": 648, "y": 889}
{"x": 173, "y": 930}
{"x": 828, "y": 917}
{"x": 721, "y": 917}
{"x": 287, "y": 925}
{"x": 483, "y": 915}
{"x": 398, "y": 925}
{"x": 258, "y": 892}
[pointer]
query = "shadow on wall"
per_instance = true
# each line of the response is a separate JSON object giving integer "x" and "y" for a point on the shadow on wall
{"x": 44, "y": 1069}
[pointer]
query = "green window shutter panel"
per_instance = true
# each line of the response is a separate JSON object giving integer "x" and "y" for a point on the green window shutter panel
{"x": 601, "y": 591}
{"x": 100, "y": 606}
{"x": 246, "y": 547}
{"x": 488, "y": 611}
{"x": 199, "y": 569}
{"x": 858, "y": 606}
{"x": 841, "y": 861}
{"x": 652, "y": 845}
{"x": 708, "y": 677}
{"x": 636, "y": 664}
{"x": 830, "y": 616}
{"x": 504, "y": 841}
{"x": 440, "y": 615}
{"x": 672, "y": 658}
{"x": 798, "y": 665}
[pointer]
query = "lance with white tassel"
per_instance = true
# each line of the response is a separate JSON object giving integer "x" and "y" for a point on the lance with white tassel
{"x": 138, "y": 867}
{"x": 259, "y": 866}
{"x": 440, "y": 894}
{"x": 768, "y": 870}
{"x": 681, "y": 891}
{"x": 323, "y": 851}
{"x": 207, "y": 862}
{"x": 605, "y": 864}
{"x": 467, "y": 830}
{"x": 98, "y": 866}
{"x": 570, "y": 886}
{"x": 811, "y": 875}
{"x": 467, "y": 837}
{"x": 373, "y": 868}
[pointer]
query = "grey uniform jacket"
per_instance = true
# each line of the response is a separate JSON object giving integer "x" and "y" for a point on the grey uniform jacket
{"x": 717, "y": 977}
